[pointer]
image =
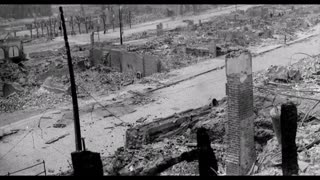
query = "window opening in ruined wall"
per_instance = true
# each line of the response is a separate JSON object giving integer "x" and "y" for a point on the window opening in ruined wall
{"x": 13, "y": 51}
{"x": 2, "y": 56}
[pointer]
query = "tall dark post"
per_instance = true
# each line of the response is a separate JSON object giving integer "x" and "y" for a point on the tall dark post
{"x": 73, "y": 88}
{"x": 51, "y": 32}
{"x": 120, "y": 24}
{"x": 37, "y": 28}
{"x": 113, "y": 19}
{"x": 208, "y": 165}
{"x": 130, "y": 19}
{"x": 72, "y": 28}
{"x": 288, "y": 119}
{"x": 47, "y": 26}
{"x": 31, "y": 30}
{"x": 41, "y": 26}
{"x": 60, "y": 28}
{"x": 285, "y": 39}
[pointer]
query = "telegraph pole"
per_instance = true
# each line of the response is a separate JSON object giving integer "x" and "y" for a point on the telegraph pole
{"x": 73, "y": 87}
{"x": 120, "y": 23}
{"x": 130, "y": 19}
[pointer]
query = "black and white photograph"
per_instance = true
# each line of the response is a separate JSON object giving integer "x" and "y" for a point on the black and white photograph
{"x": 159, "y": 89}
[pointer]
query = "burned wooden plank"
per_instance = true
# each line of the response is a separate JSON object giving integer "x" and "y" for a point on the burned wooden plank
{"x": 165, "y": 127}
{"x": 288, "y": 125}
{"x": 57, "y": 138}
{"x": 162, "y": 164}
{"x": 4, "y": 133}
{"x": 208, "y": 165}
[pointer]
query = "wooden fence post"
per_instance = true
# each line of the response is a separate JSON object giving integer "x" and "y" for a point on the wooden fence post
{"x": 288, "y": 118}
{"x": 208, "y": 165}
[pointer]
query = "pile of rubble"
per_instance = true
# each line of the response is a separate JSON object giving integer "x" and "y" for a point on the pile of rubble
{"x": 45, "y": 81}
{"x": 138, "y": 159}
{"x": 37, "y": 98}
{"x": 128, "y": 161}
{"x": 228, "y": 32}
{"x": 303, "y": 90}
{"x": 102, "y": 79}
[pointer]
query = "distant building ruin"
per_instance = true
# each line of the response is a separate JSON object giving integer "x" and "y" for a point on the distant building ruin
{"x": 127, "y": 62}
{"x": 11, "y": 49}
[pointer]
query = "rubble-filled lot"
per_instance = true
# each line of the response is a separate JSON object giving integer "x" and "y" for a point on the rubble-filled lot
{"x": 249, "y": 29}
{"x": 307, "y": 139}
{"x": 45, "y": 80}
{"x": 44, "y": 83}
{"x": 267, "y": 83}
{"x": 230, "y": 31}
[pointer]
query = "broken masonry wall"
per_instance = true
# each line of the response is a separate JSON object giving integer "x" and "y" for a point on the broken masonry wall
{"x": 201, "y": 51}
{"x": 131, "y": 62}
{"x": 52, "y": 86}
{"x": 10, "y": 43}
{"x": 151, "y": 65}
{"x": 240, "y": 130}
{"x": 11, "y": 48}
{"x": 257, "y": 12}
{"x": 197, "y": 51}
{"x": 53, "y": 72}
{"x": 1, "y": 89}
{"x": 160, "y": 29}
{"x": 213, "y": 49}
{"x": 95, "y": 56}
{"x": 9, "y": 88}
{"x": 114, "y": 59}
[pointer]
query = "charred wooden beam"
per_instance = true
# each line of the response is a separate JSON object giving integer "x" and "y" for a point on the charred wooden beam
{"x": 163, "y": 165}
{"x": 288, "y": 118}
{"x": 164, "y": 127}
{"x": 208, "y": 165}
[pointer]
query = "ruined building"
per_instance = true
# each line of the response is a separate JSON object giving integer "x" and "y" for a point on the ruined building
{"x": 11, "y": 49}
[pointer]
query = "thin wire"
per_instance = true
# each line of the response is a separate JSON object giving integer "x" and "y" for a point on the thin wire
{"x": 214, "y": 171}
{"x": 33, "y": 140}
{"x": 92, "y": 111}
{"x": 291, "y": 58}
{"x": 16, "y": 144}
{"x": 68, "y": 158}
{"x": 54, "y": 147}
{"x": 102, "y": 105}
{"x": 289, "y": 95}
{"x": 44, "y": 111}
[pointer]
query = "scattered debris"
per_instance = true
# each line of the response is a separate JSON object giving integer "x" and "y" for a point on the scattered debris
{"x": 56, "y": 138}
{"x": 4, "y": 133}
